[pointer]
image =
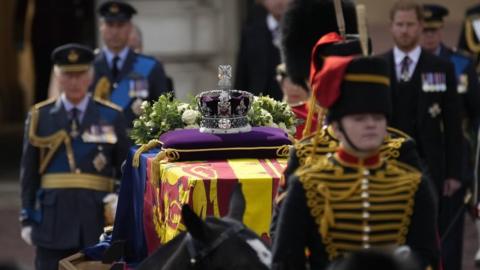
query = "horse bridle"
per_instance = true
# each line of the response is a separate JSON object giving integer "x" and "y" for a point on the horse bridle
{"x": 198, "y": 251}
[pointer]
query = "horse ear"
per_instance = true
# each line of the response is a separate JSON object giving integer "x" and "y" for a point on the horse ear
{"x": 195, "y": 225}
{"x": 237, "y": 204}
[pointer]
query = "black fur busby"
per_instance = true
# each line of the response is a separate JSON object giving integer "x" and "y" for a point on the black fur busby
{"x": 303, "y": 24}
{"x": 365, "y": 88}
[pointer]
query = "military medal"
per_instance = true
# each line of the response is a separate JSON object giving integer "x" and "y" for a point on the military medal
{"x": 462, "y": 84}
{"x": 100, "y": 134}
{"x": 138, "y": 87}
{"x": 99, "y": 162}
{"x": 434, "y": 82}
{"x": 434, "y": 110}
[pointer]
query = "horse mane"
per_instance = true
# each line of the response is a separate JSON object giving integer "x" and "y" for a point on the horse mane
{"x": 160, "y": 256}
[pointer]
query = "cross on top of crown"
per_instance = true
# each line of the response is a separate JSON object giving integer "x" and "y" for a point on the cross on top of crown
{"x": 225, "y": 77}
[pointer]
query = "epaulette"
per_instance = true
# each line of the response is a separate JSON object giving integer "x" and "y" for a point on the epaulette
{"x": 400, "y": 167}
{"x": 463, "y": 53}
{"x": 108, "y": 104}
{"x": 141, "y": 55}
{"x": 44, "y": 103}
{"x": 325, "y": 131}
{"x": 398, "y": 133}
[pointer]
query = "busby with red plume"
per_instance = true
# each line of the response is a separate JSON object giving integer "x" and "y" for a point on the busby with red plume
{"x": 349, "y": 85}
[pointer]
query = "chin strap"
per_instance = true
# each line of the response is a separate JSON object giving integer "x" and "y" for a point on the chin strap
{"x": 340, "y": 127}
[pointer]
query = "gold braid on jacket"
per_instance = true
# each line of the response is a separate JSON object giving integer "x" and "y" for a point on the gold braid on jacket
{"x": 357, "y": 207}
{"x": 473, "y": 45}
{"x": 324, "y": 141}
{"x": 49, "y": 144}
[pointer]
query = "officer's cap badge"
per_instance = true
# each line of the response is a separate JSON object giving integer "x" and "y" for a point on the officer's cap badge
{"x": 73, "y": 56}
{"x": 427, "y": 13}
{"x": 114, "y": 8}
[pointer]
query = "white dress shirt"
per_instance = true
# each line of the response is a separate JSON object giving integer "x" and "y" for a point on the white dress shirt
{"x": 81, "y": 106}
{"x": 398, "y": 56}
{"x": 110, "y": 55}
{"x": 274, "y": 27}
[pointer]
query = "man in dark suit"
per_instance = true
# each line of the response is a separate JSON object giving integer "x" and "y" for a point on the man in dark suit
{"x": 467, "y": 87}
{"x": 426, "y": 104}
{"x": 259, "y": 52}
{"x": 425, "y": 101}
{"x": 122, "y": 76}
{"x": 72, "y": 152}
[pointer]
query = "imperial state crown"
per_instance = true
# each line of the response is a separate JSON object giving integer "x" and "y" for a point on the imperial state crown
{"x": 224, "y": 110}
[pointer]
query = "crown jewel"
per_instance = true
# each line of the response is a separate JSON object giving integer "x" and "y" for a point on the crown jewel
{"x": 224, "y": 111}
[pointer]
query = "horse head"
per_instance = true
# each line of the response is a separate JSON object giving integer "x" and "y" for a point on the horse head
{"x": 215, "y": 243}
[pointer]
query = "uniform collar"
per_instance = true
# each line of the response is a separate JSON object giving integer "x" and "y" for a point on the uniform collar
{"x": 350, "y": 159}
{"x": 81, "y": 106}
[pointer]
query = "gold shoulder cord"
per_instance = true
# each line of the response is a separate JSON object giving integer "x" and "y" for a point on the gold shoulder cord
{"x": 390, "y": 148}
{"x": 50, "y": 143}
{"x": 318, "y": 144}
{"x": 472, "y": 45}
{"x": 108, "y": 103}
{"x": 102, "y": 88}
{"x": 398, "y": 132}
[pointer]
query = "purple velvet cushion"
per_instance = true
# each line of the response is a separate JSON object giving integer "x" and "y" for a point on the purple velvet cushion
{"x": 260, "y": 142}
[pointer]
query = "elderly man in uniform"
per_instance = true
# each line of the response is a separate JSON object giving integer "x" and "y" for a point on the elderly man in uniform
{"x": 123, "y": 76}
{"x": 467, "y": 87}
{"x": 354, "y": 198}
{"x": 73, "y": 148}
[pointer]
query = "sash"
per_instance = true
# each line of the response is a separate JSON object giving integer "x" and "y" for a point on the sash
{"x": 142, "y": 66}
{"x": 460, "y": 64}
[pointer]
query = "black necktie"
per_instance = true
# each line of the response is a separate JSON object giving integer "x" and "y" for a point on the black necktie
{"x": 74, "y": 122}
{"x": 115, "y": 66}
{"x": 404, "y": 69}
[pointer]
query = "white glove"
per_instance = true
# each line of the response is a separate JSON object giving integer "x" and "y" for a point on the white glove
{"x": 402, "y": 252}
{"x": 110, "y": 202}
{"x": 26, "y": 234}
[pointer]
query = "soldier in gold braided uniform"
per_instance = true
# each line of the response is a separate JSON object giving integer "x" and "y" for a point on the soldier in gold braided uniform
{"x": 397, "y": 145}
{"x": 354, "y": 198}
